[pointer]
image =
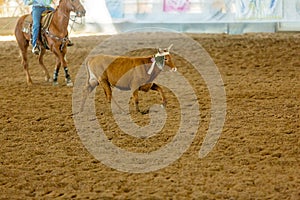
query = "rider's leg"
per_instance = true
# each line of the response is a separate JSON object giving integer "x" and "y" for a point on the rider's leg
{"x": 36, "y": 17}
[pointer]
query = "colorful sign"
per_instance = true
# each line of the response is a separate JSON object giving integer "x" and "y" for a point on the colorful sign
{"x": 259, "y": 9}
{"x": 176, "y": 5}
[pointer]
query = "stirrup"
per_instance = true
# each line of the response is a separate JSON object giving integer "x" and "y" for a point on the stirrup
{"x": 36, "y": 50}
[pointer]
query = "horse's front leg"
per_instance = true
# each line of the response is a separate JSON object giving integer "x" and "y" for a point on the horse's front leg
{"x": 66, "y": 70}
{"x": 61, "y": 61}
{"x": 56, "y": 70}
{"x": 68, "y": 77}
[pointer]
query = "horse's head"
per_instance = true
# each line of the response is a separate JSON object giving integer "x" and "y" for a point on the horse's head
{"x": 77, "y": 7}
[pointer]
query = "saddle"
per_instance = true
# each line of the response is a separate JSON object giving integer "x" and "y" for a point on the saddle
{"x": 45, "y": 23}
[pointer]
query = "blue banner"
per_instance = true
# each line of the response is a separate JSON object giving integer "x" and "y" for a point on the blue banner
{"x": 258, "y": 9}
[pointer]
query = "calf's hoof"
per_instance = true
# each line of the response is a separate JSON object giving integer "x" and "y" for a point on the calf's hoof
{"x": 164, "y": 104}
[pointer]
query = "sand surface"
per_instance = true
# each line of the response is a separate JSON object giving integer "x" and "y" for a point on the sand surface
{"x": 257, "y": 155}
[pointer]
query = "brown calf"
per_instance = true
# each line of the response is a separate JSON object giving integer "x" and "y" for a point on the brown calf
{"x": 126, "y": 73}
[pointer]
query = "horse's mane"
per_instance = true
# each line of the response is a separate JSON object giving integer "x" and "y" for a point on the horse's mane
{"x": 58, "y": 5}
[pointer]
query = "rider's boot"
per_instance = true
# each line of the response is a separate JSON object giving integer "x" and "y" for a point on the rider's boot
{"x": 36, "y": 50}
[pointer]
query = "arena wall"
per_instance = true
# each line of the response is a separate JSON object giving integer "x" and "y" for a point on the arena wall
{"x": 197, "y": 16}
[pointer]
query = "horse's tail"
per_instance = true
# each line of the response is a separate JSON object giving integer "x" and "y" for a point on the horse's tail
{"x": 21, "y": 37}
{"x": 19, "y": 34}
{"x": 18, "y": 27}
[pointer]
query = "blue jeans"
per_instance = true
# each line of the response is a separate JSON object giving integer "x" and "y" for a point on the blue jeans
{"x": 36, "y": 17}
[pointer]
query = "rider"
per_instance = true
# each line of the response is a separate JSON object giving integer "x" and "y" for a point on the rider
{"x": 38, "y": 7}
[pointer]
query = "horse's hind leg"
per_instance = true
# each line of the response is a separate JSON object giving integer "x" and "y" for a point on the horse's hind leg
{"x": 41, "y": 61}
{"x": 25, "y": 63}
{"x": 23, "y": 45}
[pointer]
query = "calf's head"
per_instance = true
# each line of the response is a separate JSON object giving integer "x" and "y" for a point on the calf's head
{"x": 163, "y": 58}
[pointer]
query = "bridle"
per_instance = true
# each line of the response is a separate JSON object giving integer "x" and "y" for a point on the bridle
{"x": 74, "y": 8}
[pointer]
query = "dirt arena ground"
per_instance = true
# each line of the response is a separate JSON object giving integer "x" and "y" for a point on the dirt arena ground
{"x": 256, "y": 157}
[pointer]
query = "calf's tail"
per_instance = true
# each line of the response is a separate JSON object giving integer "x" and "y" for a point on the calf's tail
{"x": 88, "y": 88}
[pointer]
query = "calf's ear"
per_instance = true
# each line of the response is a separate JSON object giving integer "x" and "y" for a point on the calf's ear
{"x": 159, "y": 50}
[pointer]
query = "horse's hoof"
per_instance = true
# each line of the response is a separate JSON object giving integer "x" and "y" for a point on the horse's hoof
{"x": 69, "y": 84}
{"x": 48, "y": 80}
{"x": 55, "y": 83}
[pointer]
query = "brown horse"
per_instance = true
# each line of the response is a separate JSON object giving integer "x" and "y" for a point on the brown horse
{"x": 56, "y": 38}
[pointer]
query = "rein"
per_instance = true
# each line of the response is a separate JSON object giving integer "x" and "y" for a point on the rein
{"x": 74, "y": 22}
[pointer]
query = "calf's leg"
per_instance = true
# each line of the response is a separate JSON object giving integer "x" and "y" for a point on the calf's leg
{"x": 161, "y": 92}
{"x": 136, "y": 100}
{"x": 107, "y": 90}
{"x": 86, "y": 91}
{"x": 157, "y": 88}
